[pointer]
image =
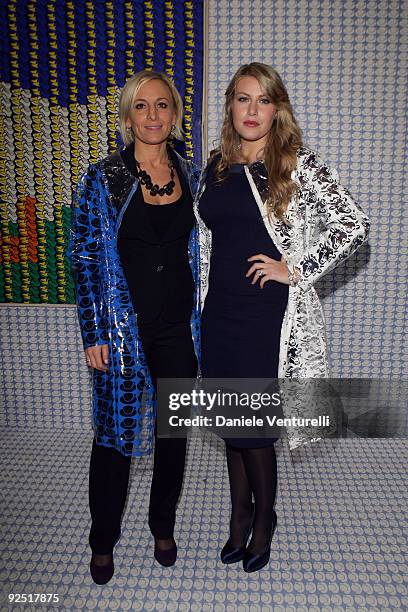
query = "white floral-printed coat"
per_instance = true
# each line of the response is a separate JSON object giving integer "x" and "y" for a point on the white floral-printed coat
{"x": 325, "y": 227}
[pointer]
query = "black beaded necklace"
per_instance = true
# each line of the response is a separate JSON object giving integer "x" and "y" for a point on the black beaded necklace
{"x": 154, "y": 190}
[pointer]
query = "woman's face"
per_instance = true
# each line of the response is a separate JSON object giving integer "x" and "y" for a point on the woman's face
{"x": 252, "y": 110}
{"x": 152, "y": 113}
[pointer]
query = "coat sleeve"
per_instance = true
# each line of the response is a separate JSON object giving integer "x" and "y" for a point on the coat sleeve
{"x": 85, "y": 253}
{"x": 343, "y": 225}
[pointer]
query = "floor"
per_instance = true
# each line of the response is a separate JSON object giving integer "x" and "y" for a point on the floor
{"x": 340, "y": 544}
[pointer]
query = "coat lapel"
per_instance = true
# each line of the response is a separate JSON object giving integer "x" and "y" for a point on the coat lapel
{"x": 184, "y": 220}
{"x": 258, "y": 183}
{"x": 284, "y": 235}
{"x": 119, "y": 181}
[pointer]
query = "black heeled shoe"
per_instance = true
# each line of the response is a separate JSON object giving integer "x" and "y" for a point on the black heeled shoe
{"x": 168, "y": 557}
{"x": 101, "y": 574}
{"x": 253, "y": 562}
{"x": 230, "y": 554}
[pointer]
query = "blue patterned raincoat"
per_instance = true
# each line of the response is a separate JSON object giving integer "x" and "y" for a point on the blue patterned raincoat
{"x": 123, "y": 397}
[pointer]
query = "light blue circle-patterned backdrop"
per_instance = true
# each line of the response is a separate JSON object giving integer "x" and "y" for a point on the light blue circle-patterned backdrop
{"x": 339, "y": 543}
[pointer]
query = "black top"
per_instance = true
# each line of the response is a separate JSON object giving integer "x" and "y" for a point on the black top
{"x": 161, "y": 216}
{"x": 229, "y": 209}
{"x": 153, "y": 248}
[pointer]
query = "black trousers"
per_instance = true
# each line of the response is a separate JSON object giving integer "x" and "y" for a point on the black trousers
{"x": 170, "y": 353}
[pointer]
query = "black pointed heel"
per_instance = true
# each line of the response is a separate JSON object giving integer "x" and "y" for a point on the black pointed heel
{"x": 229, "y": 554}
{"x": 253, "y": 562}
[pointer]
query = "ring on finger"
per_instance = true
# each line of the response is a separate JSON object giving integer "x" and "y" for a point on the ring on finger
{"x": 261, "y": 272}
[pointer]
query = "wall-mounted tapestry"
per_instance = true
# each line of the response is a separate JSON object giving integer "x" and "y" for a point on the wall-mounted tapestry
{"x": 62, "y": 67}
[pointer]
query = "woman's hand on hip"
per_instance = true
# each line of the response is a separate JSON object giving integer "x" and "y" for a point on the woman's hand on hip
{"x": 98, "y": 357}
{"x": 265, "y": 269}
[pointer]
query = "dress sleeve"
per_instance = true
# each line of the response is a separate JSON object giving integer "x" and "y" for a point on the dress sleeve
{"x": 85, "y": 253}
{"x": 343, "y": 225}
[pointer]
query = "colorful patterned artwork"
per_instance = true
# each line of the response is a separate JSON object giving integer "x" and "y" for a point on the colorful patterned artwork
{"x": 61, "y": 70}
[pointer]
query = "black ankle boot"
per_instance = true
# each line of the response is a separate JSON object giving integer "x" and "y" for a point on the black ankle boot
{"x": 253, "y": 562}
{"x": 230, "y": 554}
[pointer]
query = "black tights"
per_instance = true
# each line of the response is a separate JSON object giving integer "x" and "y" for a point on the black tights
{"x": 252, "y": 471}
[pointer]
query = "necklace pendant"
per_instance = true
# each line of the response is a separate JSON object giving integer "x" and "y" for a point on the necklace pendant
{"x": 145, "y": 179}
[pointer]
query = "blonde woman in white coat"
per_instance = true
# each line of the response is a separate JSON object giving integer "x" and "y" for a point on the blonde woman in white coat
{"x": 273, "y": 219}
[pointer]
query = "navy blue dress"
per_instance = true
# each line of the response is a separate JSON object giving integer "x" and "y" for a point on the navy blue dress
{"x": 241, "y": 323}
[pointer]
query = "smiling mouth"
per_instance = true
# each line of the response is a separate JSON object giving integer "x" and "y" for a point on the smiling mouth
{"x": 251, "y": 123}
{"x": 153, "y": 127}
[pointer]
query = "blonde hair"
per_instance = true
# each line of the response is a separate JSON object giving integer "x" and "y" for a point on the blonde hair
{"x": 284, "y": 139}
{"x": 129, "y": 92}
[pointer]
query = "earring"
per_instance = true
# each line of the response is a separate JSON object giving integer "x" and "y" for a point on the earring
{"x": 173, "y": 129}
{"x": 237, "y": 147}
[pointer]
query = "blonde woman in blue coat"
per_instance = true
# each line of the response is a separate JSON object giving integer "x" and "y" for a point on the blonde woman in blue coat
{"x": 134, "y": 250}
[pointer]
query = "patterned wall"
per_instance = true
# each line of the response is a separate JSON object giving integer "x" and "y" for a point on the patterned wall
{"x": 344, "y": 64}
{"x": 45, "y": 381}
{"x": 62, "y": 66}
